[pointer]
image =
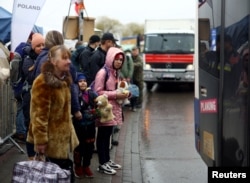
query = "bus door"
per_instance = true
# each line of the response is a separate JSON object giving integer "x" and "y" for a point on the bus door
{"x": 221, "y": 95}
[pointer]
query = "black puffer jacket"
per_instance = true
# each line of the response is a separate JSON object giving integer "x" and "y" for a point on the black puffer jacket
{"x": 97, "y": 61}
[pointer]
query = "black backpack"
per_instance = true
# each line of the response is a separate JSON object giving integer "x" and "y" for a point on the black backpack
{"x": 75, "y": 56}
{"x": 17, "y": 79}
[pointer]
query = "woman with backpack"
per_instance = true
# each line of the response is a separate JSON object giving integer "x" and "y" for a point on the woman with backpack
{"x": 114, "y": 61}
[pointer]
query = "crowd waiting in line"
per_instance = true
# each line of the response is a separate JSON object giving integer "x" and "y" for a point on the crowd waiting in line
{"x": 57, "y": 109}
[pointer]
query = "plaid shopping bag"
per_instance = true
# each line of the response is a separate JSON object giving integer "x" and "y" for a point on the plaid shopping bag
{"x": 39, "y": 171}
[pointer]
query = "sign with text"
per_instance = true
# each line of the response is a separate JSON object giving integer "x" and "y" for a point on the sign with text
{"x": 228, "y": 174}
{"x": 24, "y": 16}
{"x": 208, "y": 106}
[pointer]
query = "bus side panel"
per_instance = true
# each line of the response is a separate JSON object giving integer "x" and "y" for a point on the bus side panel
{"x": 235, "y": 125}
{"x": 223, "y": 127}
{"x": 208, "y": 117}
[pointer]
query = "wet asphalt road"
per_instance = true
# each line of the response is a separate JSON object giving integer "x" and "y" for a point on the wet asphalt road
{"x": 167, "y": 146}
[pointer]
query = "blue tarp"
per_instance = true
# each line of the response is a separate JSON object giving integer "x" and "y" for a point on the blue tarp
{"x": 5, "y": 25}
{"x": 238, "y": 31}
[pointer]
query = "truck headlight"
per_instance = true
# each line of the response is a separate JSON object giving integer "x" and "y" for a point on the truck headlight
{"x": 190, "y": 67}
{"x": 147, "y": 66}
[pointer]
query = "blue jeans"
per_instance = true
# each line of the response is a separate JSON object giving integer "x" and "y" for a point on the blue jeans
{"x": 20, "y": 126}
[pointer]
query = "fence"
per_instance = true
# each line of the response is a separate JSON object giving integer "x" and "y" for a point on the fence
{"x": 7, "y": 115}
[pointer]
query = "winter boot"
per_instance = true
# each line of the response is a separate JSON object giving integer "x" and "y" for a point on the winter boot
{"x": 87, "y": 172}
{"x": 78, "y": 169}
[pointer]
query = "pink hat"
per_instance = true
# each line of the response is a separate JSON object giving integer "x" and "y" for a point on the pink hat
{"x": 36, "y": 40}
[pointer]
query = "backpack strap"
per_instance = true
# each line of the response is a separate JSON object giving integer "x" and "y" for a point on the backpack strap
{"x": 107, "y": 73}
{"x": 92, "y": 85}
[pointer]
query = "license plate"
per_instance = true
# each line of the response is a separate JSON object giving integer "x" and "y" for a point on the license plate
{"x": 168, "y": 76}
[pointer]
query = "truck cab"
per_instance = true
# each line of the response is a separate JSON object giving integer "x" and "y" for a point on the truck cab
{"x": 168, "y": 54}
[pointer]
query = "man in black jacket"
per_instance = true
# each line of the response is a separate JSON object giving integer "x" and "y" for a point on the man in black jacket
{"x": 97, "y": 60}
{"x": 85, "y": 55}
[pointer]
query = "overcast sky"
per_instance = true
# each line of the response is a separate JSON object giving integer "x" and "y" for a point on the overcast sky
{"x": 126, "y": 11}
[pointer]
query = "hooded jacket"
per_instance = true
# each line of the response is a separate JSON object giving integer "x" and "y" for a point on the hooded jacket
{"x": 50, "y": 114}
{"x": 127, "y": 68}
{"x": 111, "y": 86}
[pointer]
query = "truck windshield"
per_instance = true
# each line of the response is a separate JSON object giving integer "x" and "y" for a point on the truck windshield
{"x": 169, "y": 43}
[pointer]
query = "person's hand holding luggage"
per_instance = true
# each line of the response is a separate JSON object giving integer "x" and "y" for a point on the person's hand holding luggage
{"x": 40, "y": 148}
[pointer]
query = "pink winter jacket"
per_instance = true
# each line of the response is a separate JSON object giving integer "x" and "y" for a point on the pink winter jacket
{"x": 110, "y": 89}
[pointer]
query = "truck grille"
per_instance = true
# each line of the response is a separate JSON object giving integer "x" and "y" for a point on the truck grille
{"x": 169, "y": 65}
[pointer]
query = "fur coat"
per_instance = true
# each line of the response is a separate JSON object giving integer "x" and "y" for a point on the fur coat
{"x": 50, "y": 114}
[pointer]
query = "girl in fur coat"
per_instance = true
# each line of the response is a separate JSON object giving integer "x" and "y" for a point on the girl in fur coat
{"x": 51, "y": 129}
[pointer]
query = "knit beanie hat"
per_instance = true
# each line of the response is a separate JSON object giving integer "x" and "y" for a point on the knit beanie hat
{"x": 80, "y": 76}
{"x": 36, "y": 40}
{"x": 94, "y": 39}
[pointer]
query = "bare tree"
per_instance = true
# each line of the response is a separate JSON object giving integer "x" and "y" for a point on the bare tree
{"x": 107, "y": 24}
{"x": 132, "y": 29}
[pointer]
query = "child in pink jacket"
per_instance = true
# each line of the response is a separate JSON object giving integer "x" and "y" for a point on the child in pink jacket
{"x": 114, "y": 61}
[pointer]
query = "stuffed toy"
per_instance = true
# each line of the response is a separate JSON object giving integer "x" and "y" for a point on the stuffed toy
{"x": 104, "y": 108}
{"x": 123, "y": 88}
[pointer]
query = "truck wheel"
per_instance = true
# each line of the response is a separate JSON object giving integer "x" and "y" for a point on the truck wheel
{"x": 149, "y": 86}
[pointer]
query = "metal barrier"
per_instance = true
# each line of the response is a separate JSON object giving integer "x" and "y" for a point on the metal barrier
{"x": 7, "y": 115}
